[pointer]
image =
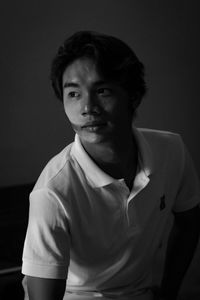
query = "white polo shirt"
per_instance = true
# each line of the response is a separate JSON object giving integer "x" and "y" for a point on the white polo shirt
{"x": 88, "y": 228}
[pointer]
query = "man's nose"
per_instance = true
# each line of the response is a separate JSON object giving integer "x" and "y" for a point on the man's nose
{"x": 91, "y": 106}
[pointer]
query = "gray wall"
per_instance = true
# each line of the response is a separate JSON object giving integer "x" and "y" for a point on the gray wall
{"x": 165, "y": 36}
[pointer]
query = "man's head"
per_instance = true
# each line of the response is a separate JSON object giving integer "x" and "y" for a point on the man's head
{"x": 100, "y": 81}
{"x": 115, "y": 60}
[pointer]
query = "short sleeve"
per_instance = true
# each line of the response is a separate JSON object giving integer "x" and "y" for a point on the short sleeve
{"x": 189, "y": 190}
{"x": 46, "y": 247}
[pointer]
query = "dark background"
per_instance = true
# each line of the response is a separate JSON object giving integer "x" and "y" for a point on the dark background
{"x": 165, "y": 34}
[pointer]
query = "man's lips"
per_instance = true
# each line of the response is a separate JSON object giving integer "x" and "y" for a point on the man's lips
{"x": 94, "y": 126}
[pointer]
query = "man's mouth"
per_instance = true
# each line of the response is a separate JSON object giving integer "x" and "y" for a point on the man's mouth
{"x": 94, "y": 126}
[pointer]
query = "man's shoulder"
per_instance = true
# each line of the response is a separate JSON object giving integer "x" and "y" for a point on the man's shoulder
{"x": 164, "y": 144}
{"x": 161, "y": 137}
{"x": 56, "y": 169}
{"x": 148, "y": 132}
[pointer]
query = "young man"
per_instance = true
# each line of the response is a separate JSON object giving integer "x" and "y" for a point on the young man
{"x": 99, "y": 209}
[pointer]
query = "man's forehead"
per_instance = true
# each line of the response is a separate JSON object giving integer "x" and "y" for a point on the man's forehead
{"x": 82, "y": 70}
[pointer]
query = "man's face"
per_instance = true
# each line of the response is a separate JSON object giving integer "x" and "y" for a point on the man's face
{"x": 98, "y": 110}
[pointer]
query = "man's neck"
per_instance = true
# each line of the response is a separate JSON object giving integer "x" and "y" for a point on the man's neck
{"x": 116, "y": 158}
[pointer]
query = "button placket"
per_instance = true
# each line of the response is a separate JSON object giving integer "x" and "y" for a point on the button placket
{"x": 139, "y": 184}
{"x": 124, "y": 194}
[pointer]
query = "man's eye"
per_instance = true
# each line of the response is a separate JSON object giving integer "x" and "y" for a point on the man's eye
{"x": 73, "y": 94}
{"x": 104, "y": 92}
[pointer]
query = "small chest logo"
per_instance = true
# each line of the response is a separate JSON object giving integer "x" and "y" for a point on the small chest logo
{"x": 162, "y": 202}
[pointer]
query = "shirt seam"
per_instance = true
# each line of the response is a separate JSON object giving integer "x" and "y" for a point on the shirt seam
{"x": 55, "y": 196}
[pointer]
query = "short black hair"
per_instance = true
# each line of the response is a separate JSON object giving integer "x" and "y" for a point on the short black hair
{"x": 114, "y": 59}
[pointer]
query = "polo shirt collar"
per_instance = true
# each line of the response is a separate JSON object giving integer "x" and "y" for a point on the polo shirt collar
{"x": 144, "y": 152}
{"x": 96, "y": 175}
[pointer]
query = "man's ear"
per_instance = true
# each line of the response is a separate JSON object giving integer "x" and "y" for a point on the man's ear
{"x": 135, "y": 101}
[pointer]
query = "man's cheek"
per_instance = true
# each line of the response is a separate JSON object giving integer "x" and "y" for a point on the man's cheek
{"x": 76, "y": 127}
{"x": 72, "y": 117}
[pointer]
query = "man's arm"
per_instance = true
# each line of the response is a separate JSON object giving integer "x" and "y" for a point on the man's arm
{"x": 182, "y": 243}
{"x": 45, "y": 289}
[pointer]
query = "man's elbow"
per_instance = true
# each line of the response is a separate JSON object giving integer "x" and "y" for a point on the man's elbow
{"x": 45, "y": 289}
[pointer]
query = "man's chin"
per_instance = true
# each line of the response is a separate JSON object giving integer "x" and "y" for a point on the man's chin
{"x": 92, "y": 137}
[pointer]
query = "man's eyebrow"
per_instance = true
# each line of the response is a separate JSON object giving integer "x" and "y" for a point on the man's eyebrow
{"x": 76, "y": 85}
{"x": 70, "y": 84}
{"x": 100, "y": 82}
